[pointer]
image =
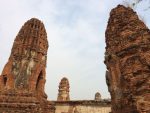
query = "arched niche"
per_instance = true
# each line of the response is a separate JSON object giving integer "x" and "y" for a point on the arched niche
{"x": 4, "y": 79}
{"x": 39, "y": 81}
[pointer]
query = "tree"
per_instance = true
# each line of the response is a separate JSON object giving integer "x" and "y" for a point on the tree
{"x": 135, "y": 3}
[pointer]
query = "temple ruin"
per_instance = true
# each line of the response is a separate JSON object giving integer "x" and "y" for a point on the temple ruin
{"x": 63, "y": 92}
{"x": 22, "y": 80}
{"x": 97, "y": 96}
{"x": 66, "y": 105}
{"x": 127, "y": 60}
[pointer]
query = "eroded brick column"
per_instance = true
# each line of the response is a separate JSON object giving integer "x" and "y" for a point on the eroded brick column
{"x": 127, "y": 59}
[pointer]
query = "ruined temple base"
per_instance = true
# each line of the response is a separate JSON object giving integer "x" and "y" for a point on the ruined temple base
{"x": 23, "y": 102}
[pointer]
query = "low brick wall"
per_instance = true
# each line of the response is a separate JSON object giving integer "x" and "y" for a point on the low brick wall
{"x": 83, "y": 106}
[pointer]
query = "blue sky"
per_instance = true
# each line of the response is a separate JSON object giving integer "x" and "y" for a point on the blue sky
{"x": 76, "y": 35}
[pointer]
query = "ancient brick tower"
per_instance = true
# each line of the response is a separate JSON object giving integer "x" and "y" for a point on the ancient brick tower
{"x": 63, "y": 92}
{"x": 23, "y": 77}
{"x": 97, "y": 96}
{"x": 128, "y": 62}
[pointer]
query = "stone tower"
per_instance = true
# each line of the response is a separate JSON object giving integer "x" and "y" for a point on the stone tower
{"x": 63, "y": 92}
{"x": 127, "y": 59}
{"x": 23, "y": 77}
{"x": 97, "y": 96}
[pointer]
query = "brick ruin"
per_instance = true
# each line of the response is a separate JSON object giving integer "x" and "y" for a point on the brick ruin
{"x": 127, "y": 60}
{"x": 63, "y": 92}
{"x": 97, "y": 96}
{"x": 22, "y": 81}
{"x": 66, "y": 105}
{"x": 83, "y": 106}
{"x": 23, "y": 78}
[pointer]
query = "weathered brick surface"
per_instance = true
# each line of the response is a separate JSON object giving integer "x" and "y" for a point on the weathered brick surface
{"x": 127, "y": 59}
